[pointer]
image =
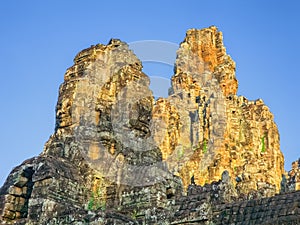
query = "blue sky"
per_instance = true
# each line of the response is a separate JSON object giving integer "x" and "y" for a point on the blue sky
{"x": 39, "y": 40}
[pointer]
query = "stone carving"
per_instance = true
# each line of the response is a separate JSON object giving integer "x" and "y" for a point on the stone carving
{"x": 215, "y": 128}
{"x": 118, "y": 156}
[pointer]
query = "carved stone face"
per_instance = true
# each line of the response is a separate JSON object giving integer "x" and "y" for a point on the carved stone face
{"x": 112, "y": 124}
{"x": 64, "y": 109}
{"x": 132, "y": 113}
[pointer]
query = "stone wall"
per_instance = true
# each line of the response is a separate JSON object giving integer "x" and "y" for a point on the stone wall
{"x": 215, "y": 204}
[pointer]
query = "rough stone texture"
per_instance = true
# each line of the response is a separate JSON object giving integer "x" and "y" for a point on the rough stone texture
{"x": 201, "y": 156}
{"x": 209, "y": 205}
{"x": 216, "y": 129}
{"x": 291, "y": 182}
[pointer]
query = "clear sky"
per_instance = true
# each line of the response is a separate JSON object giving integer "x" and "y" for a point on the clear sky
{"x": 39, "y": 40}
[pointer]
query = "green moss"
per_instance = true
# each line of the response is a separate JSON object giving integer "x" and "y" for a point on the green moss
{"x": 134, "y": 214}
{"x": 101, "y": 206}
{"x": 91, "y": 202}
{"x": 263, "y": 145}
{"x": 96, "y": 202}
{"x": 240, "y": 135}
{"x": 180, "y": 153}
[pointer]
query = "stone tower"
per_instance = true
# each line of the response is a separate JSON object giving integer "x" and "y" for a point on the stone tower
{"x": 118, "y": 156}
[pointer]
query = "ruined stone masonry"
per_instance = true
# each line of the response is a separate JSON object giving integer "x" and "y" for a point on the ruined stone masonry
{"x": 203, "y": 155}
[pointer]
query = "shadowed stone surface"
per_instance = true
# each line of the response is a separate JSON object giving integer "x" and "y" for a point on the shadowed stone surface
{"x": 201, "y": 156}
